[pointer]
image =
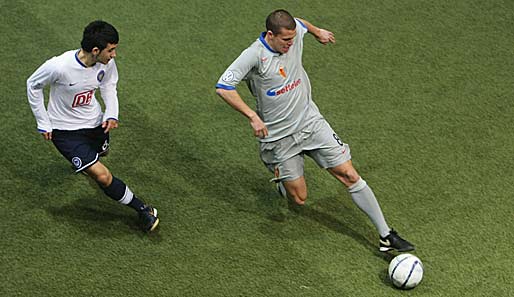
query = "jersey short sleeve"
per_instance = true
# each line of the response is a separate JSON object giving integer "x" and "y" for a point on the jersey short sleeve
{"x": 239, "y": 69}
{"x": 301, "y": 29}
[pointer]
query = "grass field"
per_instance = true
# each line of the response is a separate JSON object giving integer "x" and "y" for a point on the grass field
{"x": 421, "y": 90}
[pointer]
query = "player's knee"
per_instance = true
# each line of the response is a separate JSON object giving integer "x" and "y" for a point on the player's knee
{"x": 357, "y": 186}
{"x": 349, "y": 177}
{"x": 299, "y": 198}
{"x": 104, "y": 179}
{"x": 353, "y": 178}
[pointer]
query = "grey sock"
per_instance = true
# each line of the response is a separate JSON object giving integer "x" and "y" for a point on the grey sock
{"x": 363, "y": 196}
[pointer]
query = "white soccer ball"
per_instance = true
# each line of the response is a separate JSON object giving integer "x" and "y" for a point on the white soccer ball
{"x": 406, "y": 271}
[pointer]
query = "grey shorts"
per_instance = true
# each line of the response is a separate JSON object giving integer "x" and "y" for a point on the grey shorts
{"x": 285, "y": 157}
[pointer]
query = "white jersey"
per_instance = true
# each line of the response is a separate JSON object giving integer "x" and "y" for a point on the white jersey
{"x": 279, "y": 83}
{"x": 72, "y": 104}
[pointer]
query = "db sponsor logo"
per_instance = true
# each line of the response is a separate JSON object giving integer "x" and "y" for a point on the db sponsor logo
{"x": 83, "y": 98}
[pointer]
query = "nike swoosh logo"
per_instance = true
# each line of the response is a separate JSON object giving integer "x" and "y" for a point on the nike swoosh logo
{"x": 385, "y": 242}
{"x": 72, "y": 84}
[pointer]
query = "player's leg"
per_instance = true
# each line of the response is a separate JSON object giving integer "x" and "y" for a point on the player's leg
{"x": 79, "y": 147}
{"x": 119, "y": 191}
{"x": 361, "y": 194}
{"x": 296, "y": 190}
{"x": 290, "y": 179}
{"x": 114, "y": 187}
{"x": 285, "y": 159}
{"x": 334, "y": 155}
{"x": 365, "y": 199}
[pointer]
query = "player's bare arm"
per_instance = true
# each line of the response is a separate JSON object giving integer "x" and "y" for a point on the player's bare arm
{"x": 322, "y": 35}
{"x": 233, "y": 98}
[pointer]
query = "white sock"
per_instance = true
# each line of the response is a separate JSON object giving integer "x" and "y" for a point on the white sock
{"x": 363, "y": 196}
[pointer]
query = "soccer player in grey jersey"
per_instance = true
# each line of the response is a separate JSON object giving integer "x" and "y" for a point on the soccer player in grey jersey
{"x": 288, "y": 123}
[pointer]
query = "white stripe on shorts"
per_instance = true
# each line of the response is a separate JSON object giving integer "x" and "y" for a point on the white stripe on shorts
{"x": 87, "y": 165}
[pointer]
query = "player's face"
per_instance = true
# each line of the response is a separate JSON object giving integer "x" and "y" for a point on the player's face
{"x": 282, "y": 41}
{"x": 107, "y": 53}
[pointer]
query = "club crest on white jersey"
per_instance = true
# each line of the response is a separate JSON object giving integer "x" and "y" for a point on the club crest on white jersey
{"x": 100, "y": 75}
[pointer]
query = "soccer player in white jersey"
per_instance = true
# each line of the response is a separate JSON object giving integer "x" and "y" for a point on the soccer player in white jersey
{"x": 74, "y": 121}
{"x": 288, "y": 123}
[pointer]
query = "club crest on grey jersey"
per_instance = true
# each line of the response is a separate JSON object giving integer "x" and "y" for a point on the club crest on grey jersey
{"x": 228, "y": 76}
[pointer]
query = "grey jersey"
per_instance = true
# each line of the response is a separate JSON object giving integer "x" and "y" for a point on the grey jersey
{"x": 279, "y": 83}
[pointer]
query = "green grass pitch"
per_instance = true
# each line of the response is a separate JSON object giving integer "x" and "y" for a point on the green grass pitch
{"x": 421, "y": 90}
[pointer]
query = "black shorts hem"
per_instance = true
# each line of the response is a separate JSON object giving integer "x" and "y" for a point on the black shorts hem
{"x": 82, "y": 168}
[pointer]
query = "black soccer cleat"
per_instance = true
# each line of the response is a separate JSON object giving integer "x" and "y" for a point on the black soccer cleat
{"x": 393, "y": 241}
{"x": 149, "y": 219}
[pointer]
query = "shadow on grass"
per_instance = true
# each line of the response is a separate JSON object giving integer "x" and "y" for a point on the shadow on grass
{"x": 92, "y": 212}
{"x": 342, "y": 227}
{"x": 89, "y": 215}
{"x": 337, "y": 215}
{"x": 383, "y": 275}
{"x": 100, "y": 218}
{"x": 229, "y": 181}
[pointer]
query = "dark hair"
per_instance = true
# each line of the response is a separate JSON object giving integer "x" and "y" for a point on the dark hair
{"x": 279, "y": 19}
{"x": 98, "y": 34}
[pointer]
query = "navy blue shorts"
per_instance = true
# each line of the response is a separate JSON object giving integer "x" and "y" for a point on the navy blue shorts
{"x": 81, "y": 147}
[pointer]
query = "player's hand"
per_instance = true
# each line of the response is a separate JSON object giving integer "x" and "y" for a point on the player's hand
{"x": 109, "y": 124}
{"x": 325, "y": 37}
{"x": 259, "y": 129}
{"x": 47, "y": 135}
